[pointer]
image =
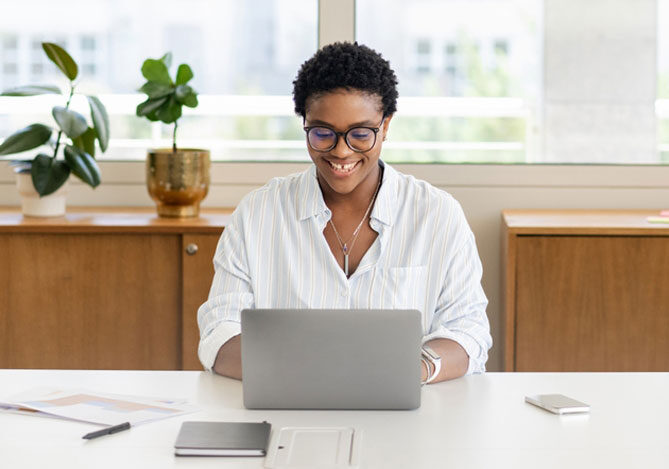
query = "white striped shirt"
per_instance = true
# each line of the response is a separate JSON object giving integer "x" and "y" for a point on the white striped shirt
{"x": 273, "y": 254}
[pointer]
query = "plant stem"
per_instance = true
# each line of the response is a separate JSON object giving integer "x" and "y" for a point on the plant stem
{"x": 174, "y": 138}
{"x": 60, "y": 132}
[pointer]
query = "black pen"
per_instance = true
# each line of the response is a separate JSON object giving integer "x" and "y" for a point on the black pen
{"x": 107, "y": 431}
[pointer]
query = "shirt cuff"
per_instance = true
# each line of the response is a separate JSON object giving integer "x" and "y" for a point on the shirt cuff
{"x": 210, "y": 345}
{"x": 472, "y": 348}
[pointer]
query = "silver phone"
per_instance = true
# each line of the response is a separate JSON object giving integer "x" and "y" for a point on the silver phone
{"x": 558, "y": 403}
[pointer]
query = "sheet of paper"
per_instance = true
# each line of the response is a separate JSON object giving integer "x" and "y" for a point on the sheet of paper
{"x": 95, "y": 407}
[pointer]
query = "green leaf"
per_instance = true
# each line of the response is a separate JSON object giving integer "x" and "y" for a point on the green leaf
{"x": 100, "y": 121}
{"x": 62, "y": 59}
{"x": 48, "y": 175}
{"x": 26, "y": 139}
{"x": 186, "y": 95}
{"x": 184, "y": 74}
{"x": 156, "y": 90}
{"x": 156, "y": 70}
{"x": 31, "y": 90}
{"x": 182, "y": 91}
{"x": 171, "y": 112}
{"x": 153, "y": 115}
{"x": 191, "y": 100}
{"x": 147, "y": 107}
{"x": 86, "y": 141}
{"x": 82, "y": 165}
{"x": 70, "y": 122}
{"x": 167, "y": 59}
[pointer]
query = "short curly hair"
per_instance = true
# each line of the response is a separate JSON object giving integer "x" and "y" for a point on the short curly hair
{"x": 346, "y": 65}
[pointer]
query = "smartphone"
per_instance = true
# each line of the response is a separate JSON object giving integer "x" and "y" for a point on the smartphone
{"x": 558, "y": 404}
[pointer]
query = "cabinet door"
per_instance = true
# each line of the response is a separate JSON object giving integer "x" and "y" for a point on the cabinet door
{"x": 97, "y": 301}
{"x": 592, "y": 303}
{"x": 198, "y": 272}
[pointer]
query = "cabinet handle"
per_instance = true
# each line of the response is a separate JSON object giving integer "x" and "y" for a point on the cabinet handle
{"x": 191, "y": 249}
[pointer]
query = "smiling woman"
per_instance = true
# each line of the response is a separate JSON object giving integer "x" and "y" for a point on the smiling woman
{"x": 350, "y": 232}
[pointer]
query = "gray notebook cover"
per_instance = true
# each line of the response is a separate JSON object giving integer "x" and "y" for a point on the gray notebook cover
{"x": 222, "y": 439}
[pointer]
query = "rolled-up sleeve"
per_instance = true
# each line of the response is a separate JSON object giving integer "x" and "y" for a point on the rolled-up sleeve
{"x": 230, "y": 293}
{"x": 461, "y": 306}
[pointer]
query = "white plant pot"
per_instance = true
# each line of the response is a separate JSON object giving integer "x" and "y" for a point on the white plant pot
{"x": 32, "y": 205}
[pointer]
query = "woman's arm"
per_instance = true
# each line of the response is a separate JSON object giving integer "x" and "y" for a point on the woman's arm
{"x": 454, "y": 359}
{"x": 230, "y": 293}
{"x": 229, "y": 358}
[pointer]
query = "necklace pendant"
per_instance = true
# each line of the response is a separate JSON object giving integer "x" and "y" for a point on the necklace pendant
{"x": 345, "y": 249}
{"x": 346, "y": 263}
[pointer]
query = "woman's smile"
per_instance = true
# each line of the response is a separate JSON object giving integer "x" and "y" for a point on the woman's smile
{"x": 343, "y": 168}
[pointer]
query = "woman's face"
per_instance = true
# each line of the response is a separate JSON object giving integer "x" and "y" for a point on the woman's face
{"x": 342, "y": 170}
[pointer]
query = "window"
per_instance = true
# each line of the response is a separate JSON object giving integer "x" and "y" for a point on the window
{"x": 475, "y": 99}
{"x": 423, "y": 57}
{"x": 89, "y": 55}
{"x": 37, "y": 60}
{"x": 481, "y": 81}
{"x": 10, "y": 61}
{"x": 662, "y": 104}
{"x": 244, "y": 56}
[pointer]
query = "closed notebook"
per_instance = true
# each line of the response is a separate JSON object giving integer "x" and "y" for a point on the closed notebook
{"x": 222, "y": 439}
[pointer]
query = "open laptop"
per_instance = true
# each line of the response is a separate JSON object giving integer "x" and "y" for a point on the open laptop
{"x": 331, "y": 358}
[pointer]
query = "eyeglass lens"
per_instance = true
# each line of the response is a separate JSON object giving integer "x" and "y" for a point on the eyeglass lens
{"x": 357, "y": 138}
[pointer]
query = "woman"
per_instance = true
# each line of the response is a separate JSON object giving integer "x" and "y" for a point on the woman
{"x": 350, "y": 231}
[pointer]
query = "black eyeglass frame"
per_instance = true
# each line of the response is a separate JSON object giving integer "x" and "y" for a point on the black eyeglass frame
{"x": 344, "y": 134}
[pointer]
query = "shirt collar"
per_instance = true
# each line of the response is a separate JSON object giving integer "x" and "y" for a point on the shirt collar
{"x": 310, "y": 203}
{"x": 310, "y": 198}
{"x": 385, "y": 207}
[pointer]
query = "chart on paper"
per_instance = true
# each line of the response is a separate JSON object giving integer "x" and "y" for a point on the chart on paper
{"x": 100, "y": 408}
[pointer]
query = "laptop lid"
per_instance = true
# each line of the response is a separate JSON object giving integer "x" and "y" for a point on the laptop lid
{"x": 331, "y": 359}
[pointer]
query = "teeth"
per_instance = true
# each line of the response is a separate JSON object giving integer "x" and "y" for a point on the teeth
{"x": 342, "y": 167}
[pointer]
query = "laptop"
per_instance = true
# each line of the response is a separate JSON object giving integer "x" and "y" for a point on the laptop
{"x": 331, "y": 358}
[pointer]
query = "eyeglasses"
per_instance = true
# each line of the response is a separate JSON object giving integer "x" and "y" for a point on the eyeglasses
{"x": 358, "y": 139}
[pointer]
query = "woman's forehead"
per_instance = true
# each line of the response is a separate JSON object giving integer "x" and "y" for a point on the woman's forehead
{"x": 344, "y": 106}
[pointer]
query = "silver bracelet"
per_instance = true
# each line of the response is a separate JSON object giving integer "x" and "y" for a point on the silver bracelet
{"x": 428, "y": 366}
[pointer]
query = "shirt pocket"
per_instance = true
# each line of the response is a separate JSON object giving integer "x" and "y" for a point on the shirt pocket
{"x": 401, "y": 287}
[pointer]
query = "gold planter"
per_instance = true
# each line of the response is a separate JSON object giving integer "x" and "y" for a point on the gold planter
{"x": 178, "y": 182}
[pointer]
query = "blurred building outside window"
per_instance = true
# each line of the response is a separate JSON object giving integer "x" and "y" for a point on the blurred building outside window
{"x": 470, "y": 83}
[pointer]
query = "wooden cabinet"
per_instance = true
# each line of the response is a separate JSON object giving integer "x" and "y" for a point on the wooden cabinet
{"x": 104, "y": 288}
{"x": 585, "y": 291}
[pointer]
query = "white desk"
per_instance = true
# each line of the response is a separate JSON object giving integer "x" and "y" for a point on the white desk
{"x": 474, "y": 422}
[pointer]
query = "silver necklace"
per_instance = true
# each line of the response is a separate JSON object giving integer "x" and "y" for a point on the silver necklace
{"x": 345, "y": 248}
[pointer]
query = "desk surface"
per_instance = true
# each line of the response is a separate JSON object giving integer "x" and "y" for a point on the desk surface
{"x": 474, "y": 422}
{"x": 583, "y": 222}
{"x": 113, "y": 219}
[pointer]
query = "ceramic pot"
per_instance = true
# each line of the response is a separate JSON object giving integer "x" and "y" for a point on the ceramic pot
{"x": 32, "y": 205}
{"x": 178, "y": 181}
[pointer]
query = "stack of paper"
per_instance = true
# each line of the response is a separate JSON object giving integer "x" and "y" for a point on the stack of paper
{"x": 94, "y": 407}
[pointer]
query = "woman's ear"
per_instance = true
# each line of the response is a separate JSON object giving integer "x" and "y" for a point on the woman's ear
{"x": 386, "y": 123}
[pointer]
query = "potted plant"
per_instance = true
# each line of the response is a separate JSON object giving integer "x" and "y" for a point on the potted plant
{"x": 177, "y": 178}
{"x": 42, "y": 180}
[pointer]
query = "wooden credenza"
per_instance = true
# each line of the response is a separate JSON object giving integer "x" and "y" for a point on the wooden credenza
{"x": 585, "y": 291}
{"x": 112, "y": 288}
